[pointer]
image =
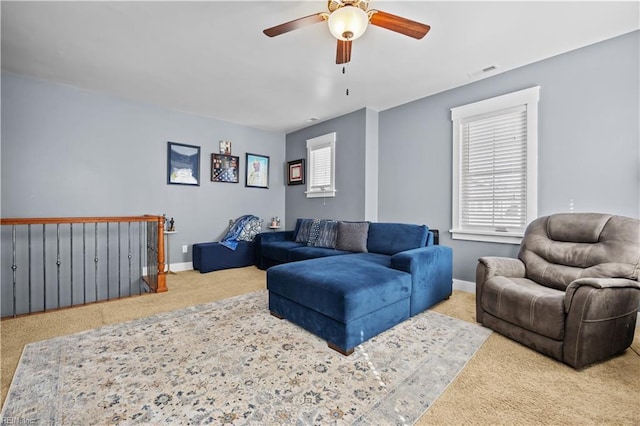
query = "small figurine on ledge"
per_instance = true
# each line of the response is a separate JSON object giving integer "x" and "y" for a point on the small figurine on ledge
{"x": 171, "y": 225}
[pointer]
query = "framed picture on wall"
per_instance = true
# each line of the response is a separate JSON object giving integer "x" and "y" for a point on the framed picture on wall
{"x": 295, "y": 172}
{"x": 224, "y": 168}
{"x": 225, "y": 147}
{"x": 257, "y": 175}
{"x": 183, "y": 164}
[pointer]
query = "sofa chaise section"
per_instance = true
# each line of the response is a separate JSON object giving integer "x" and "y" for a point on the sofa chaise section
{"x": 346, "y": 297}
{"x": 355, "y": 302}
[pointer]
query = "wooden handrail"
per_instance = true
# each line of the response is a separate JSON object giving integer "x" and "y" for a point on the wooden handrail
{"x": 54, "y": 220}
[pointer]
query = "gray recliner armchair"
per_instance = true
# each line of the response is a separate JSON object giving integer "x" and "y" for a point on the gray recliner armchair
{"x": 572, "y": 294}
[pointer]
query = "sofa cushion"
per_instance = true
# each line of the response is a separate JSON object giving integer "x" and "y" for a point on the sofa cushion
{"x": 307, "y": 252}
{"x": 323, "y": 233}
{"x": 279, "y": 250}
{"x": 392, "y": 238}
{"x": 525, "y": 303}
{"x": 352, "y": 236}
{"x": 340, "y": 287}
{"x": 377, "y": 258}
{"x": 301, "y": 233}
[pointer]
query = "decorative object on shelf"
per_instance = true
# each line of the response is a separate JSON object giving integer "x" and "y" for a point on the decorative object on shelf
{"x": 275, "y": 222}
{"x": 295, "y": 172}
{"x": 225, "y": 147}
{"x": 168, "y": 234}
{"x": 224, "y": 168}
{"x": 183, "y": 164}
{"x": 164, "y": 221}
{"x": 257, "y": 175}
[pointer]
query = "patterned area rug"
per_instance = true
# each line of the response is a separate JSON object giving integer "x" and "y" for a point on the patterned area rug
{"x": 231, "y": 362}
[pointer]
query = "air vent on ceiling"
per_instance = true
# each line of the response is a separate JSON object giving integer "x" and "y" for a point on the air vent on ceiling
{"x": 483, "y": 71}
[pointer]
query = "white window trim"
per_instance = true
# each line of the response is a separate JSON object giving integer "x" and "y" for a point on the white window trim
{"x": 318, "y": 142}
{"x": 528, "y": 97}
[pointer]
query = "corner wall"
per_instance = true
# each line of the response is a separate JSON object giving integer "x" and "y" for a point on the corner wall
{"x": 351, "y": 170}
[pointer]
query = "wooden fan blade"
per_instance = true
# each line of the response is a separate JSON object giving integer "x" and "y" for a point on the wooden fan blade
{"x": 400, "y": 25}
{"x": 343, "y": 54}
{"x": 294, "y": 25}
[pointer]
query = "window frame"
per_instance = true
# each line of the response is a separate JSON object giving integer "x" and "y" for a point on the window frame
{"x": 328, "y": 140}
{"x": 459, "y": 115}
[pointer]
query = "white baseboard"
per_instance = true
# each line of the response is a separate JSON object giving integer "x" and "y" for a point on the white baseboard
{"x": 466, "y": 286}
{"x": 175, "y": 267}
{"x": 183, "y": 266}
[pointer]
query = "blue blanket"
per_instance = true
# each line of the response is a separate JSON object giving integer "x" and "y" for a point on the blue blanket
{"x": 230, "y": 240}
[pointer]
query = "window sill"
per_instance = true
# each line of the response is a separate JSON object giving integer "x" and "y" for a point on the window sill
{"x": 489, "y": 237}
{"x": 320, "y": 194}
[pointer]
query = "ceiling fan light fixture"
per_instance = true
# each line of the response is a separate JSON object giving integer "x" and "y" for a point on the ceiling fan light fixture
{"x": 348, "y": 23}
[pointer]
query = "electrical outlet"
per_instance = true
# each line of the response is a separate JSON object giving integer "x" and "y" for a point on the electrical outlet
{"x": 185, "y": 249}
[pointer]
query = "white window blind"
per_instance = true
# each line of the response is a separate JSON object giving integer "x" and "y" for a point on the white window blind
{"x": 494, "y": 171}
{"x": 495, "y": 144}
{"x": 321, "y": 167}
{"x": 321, "y": 173}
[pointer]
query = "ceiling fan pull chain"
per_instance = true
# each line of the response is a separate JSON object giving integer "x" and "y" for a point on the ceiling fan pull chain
{"x": 344, "y": 71}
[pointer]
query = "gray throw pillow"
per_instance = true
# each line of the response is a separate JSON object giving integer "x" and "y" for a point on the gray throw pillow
{"x": 352, "y": 236}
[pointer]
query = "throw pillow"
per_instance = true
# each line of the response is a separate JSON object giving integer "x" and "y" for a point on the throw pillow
{"x": 302, "y": 236}
{"x": 252, "y": 228}
{"x": 323, "y": 233}
{"x": 352, "y": 236}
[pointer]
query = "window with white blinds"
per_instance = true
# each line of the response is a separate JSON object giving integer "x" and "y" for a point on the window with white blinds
{"x": 321, "y": 166}
{"x": 495, "y": 162}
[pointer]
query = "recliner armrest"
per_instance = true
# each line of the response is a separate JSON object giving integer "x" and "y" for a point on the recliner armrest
{"x": 600, "y": 319}
{"x": 503, "y": 266}
{"x": 489, "y": 267}
{"x": 596, "y": 283}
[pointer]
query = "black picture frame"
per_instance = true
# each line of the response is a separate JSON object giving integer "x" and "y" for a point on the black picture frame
{"x": 225, "y": 168}
{"x": 257, "y": 171}
{"x": 183, "y": 164}
{"x": 295, "y": 172}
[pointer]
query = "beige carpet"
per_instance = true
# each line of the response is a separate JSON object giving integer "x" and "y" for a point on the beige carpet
{"x": 505, "y": 383}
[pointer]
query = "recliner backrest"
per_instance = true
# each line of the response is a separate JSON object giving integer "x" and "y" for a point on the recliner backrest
{"x": 561, "y": 248}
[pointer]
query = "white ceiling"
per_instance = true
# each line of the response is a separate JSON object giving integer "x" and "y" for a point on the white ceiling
{"x": 212, "y": 59}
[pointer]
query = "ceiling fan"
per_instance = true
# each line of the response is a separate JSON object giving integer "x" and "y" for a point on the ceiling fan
{"x": 348, "y": 20}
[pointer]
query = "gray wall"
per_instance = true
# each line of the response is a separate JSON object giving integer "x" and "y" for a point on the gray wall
{"x": 589, "y": 151}
{"x": 70, "y": 152}
{"x": 349, "y": 202}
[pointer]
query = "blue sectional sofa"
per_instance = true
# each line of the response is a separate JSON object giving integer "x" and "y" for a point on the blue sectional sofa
{"x": 349, "y": 296}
